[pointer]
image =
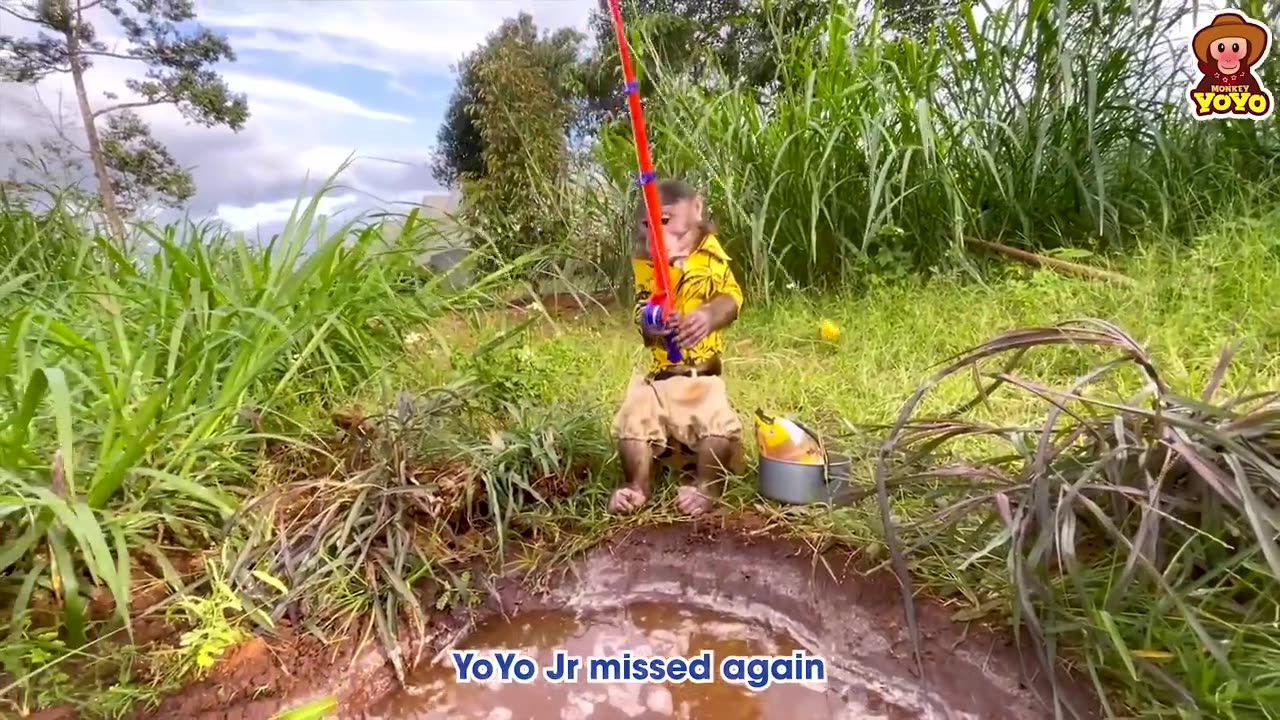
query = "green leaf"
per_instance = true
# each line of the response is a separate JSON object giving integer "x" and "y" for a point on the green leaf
{"x": 271, "y": 580}
{"x": 73, "y": 609}
{"x": 314, "y": 710}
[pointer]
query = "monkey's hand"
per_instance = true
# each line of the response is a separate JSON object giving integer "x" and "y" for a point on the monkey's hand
{"x": 652, "y": 325}
{"x": 695, "y": 326}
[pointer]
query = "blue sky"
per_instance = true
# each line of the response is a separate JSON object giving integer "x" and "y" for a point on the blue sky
{"x": 325, "y": 79}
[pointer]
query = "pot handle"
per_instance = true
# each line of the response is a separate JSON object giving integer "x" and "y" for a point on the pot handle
{"x": 822, "y": 447}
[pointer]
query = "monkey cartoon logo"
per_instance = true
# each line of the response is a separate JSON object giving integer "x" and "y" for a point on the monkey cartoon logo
{"x": 1228, "y": 52}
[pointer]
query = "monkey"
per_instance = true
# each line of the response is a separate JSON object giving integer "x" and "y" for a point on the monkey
{"x": 680, "y": 411}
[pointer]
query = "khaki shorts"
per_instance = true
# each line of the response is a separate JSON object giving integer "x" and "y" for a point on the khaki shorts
{"x": 680, "y": 409}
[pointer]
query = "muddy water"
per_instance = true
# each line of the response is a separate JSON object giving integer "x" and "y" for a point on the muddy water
{"x": 643, "y": 629}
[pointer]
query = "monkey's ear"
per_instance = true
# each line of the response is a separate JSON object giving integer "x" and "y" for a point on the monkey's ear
{"x": 697, "y": 206}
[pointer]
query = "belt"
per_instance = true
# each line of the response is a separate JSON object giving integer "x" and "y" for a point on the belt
{"x": 708, "y": 368}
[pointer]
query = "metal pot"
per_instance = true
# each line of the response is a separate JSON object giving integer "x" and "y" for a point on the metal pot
{"x": 802, "y": 484}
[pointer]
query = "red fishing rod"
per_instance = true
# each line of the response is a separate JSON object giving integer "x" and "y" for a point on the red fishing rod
{"x": 658, "y": 309}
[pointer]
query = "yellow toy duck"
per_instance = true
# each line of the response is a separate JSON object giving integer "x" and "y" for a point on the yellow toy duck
{"x": 781, "y": 439}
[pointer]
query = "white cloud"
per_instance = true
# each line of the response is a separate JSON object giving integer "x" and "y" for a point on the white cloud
{"x": 281, "y": 94}
{"x": 395, "y": 85}
{"x": 277, "y": 212}
{"x": 393, "y": 37}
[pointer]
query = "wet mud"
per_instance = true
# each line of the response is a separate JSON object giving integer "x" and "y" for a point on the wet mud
{"x": 650, "y": 590}
{"x": 641, "y": 629}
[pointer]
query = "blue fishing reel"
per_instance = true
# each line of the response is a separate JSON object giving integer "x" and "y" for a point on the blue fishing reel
{"x": 651, "y": 318}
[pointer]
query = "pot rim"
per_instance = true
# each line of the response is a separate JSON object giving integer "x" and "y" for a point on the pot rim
{"x": 833, "y": 459}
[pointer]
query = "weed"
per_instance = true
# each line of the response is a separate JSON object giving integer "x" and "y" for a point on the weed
{"x": 459, "y": 592}
{"x": 1137, "y": 532}
{"x": 215, "y": 620}
{"x": 38, "y": 654}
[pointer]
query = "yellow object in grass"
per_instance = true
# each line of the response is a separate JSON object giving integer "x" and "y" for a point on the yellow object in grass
{"x": 781, "y": 439}
{"x": 829, "y": 330}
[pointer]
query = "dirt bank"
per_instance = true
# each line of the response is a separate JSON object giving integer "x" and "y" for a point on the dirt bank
{"x": 845, "y": 614}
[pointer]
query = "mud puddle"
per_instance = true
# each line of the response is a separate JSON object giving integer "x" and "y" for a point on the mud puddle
{"x": 673, "y": 591}
{"x": 645, "y": 629}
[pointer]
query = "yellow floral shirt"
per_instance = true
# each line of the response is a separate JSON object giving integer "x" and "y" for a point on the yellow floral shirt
{"x": 706, "y": 274}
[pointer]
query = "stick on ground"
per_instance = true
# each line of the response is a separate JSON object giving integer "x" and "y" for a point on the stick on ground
{"x": 1060, "y": 265}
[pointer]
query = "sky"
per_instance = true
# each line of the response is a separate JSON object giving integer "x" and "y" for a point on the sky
{"x": 325, "y": 79}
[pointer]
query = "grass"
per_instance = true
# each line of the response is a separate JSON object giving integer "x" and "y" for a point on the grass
{"x": 509, "y": 471}
{"x": 133, "y": 390}
{"x": 1185, "y": 635}
{"x": 1186, "y": 306}
{"x": 500, "y": 453}
{"x": 168, "y": 448}
{"x": 1181, "y": 488}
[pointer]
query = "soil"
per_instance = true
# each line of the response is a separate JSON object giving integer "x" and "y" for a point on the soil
{"x": 724, "y": 559}
{"x": 565, "y": 306}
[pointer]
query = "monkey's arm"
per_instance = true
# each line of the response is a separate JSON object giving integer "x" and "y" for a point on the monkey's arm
{"x": 722, "y": 310}
{"x": 725, "y": 306}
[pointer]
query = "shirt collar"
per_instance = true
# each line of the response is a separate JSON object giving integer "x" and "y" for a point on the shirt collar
{"x": 711, "y": 246}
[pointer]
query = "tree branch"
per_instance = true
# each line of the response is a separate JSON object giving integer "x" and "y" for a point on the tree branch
{"x": 128, "y": 105}
{"x": 106, "y": 54}
{"x": 1059, "y": 265}
{"x": 15, "y": 13}
{"x": 59, "y": 123}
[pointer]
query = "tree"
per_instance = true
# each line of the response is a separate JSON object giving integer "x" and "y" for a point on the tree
{"x": 178, "y": 59}
{"x": 734, "y": 39}
{"x": 141, "y": 169}
{"x": 915, "y": 16}
{"x": 507, "y": 135}
{"x": 692, "y": 36}
{"x": 549, "y": 70}
{"x": 459, "y": 148}
{"x": 52, "y": 171}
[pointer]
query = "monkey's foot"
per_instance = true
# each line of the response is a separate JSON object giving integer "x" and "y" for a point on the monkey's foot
{"x": 694, "y": 500}
{"x": 627, "y": 499}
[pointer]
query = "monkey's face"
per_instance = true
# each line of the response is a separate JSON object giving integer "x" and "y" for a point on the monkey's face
{"x": 1228, "y": 52}
{"x": 681, "y": 226}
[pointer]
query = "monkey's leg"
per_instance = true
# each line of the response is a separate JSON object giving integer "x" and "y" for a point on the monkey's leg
{"x": 637, "y": 473}
{"x": 715, "y": 458}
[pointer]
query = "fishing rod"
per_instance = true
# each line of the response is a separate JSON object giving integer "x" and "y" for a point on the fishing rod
{"x": 658, "y": 309}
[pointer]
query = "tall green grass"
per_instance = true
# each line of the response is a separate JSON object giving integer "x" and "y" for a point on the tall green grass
{"x": 1044, "y": 124}
{"x": 131, "y": 387}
